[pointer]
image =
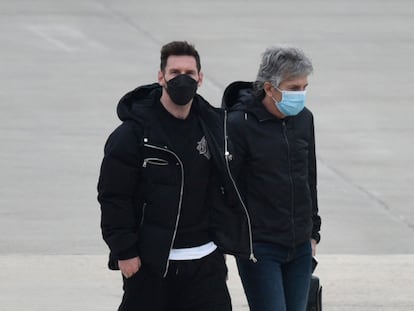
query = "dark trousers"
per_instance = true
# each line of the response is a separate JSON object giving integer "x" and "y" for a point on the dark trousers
{"x": 190, "y": 285}
{"x": 280, "y": 279}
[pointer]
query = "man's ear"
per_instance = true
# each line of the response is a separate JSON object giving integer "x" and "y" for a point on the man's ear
{"x": 200, "y": 78}
{"x": 161, "y": 79}
{"x": 267, "y": 87}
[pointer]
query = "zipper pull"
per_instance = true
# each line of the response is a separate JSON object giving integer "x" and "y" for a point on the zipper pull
{"x": 252, "y": 258}
{"x": 228, "y": 156}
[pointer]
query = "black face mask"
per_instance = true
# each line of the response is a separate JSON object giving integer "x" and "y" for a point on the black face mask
{"x": 182, "y": 89}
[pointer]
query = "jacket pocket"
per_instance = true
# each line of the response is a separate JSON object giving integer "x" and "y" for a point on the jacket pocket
{"x": 154, "y": 161}
{"x": 157, "y": 170}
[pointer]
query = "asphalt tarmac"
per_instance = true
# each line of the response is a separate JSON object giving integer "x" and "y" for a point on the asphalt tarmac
{"x": 65, "y": 64}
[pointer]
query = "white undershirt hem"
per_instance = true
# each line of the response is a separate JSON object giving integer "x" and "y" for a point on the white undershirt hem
{"x": 190, "y": 253}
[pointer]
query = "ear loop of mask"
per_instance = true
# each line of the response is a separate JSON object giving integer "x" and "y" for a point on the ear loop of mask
{"x": 276, "y": 102}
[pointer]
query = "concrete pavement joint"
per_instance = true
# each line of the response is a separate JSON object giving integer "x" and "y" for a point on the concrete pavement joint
{"x": 157, "y": 43}
{"x": 367, "y": 193}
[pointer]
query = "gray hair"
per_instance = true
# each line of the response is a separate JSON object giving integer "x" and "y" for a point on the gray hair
{"x": 280, "y": 63}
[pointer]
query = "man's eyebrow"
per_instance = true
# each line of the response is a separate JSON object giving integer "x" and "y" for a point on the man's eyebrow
{"x": 294, "y": 85}
{"x": 188, "y": 71}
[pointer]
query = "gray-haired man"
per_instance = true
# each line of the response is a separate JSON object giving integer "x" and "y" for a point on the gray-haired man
{"x": 271, "y": 138}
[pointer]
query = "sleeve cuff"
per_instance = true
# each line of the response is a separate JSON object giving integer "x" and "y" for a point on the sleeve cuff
{"x": 128, "y": 253}
{"x": 316, "y": 236}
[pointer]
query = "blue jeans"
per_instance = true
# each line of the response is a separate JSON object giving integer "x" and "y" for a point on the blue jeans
{"x": 280, "y": 279}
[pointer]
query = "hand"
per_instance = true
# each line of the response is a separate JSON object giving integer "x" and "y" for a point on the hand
{"x": 313, "y": 244}
{"x": 129, "y": 267}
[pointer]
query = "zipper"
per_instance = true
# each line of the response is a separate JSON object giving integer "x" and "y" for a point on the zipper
{"x": 181, "y": 194}
{"x": 292, "y": 205}
{"x": 143, "y": 213}
{"x": 228, "y": 158}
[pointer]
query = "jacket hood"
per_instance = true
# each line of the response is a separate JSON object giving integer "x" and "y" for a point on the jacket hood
{"x": 240, "y": 96}
{"x": 140, "y": 97}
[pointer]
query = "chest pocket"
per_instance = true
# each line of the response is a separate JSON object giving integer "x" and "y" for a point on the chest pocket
{"x": 301, "y": 148}
{"x": 158, "y": 167}
{"x": 154, "y": 161}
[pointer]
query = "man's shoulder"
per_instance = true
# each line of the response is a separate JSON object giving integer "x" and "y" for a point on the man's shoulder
{"x": 127, "y": 127}
{"x": 207, "y": 111}
{"x": 305, "y": 115}
{"x": 237, "y": 116}
{"x": 126, "y": 134}
{"x": 202, "y": 103}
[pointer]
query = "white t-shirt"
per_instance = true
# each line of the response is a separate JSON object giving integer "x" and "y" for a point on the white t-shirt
{"x": 196, "y": 252}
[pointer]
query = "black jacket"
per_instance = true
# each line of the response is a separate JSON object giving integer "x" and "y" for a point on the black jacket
{"x": 275, "y": 167}
{"x": 140, "y": 173}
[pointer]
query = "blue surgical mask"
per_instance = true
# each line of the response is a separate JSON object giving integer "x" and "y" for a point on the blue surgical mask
{"x": 292, "y": 102}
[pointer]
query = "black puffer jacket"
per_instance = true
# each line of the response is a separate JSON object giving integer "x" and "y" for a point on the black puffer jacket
{"x": 141, "y": 175}
{"x": 275, "y": 168}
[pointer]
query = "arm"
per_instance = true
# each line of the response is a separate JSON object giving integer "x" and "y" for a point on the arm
{"x": 237, "y": 143}
{"x": 117, "y": 194}
{"x": 313, "y": 187}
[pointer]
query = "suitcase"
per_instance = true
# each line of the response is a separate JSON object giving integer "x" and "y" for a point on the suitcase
{"x": 315, "y": 295}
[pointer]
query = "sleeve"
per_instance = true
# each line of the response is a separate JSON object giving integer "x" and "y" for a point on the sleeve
{"x": 238, "y": 147}
{"x": 118, "y": 190}
{"x": 313, "y": 186}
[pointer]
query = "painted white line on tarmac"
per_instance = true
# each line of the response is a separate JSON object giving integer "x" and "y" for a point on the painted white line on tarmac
{"x": 64, "y": 37}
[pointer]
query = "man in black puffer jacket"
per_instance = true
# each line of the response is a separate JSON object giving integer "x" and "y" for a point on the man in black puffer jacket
{"x": 169, "y": 208}
{"x": 271, "y": 139}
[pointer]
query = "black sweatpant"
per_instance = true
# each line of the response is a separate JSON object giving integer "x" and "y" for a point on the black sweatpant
{"x": 190, "y": 285}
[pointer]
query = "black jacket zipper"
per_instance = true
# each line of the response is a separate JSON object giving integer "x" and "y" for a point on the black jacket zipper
{"x": 181, "y": 195}
{"x": 292, "y": 203}
{"x": 227, "y": 156}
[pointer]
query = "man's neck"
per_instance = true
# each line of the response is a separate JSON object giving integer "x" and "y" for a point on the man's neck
{"x": 177, "y": 111}
{"x": 271, "y": 107}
